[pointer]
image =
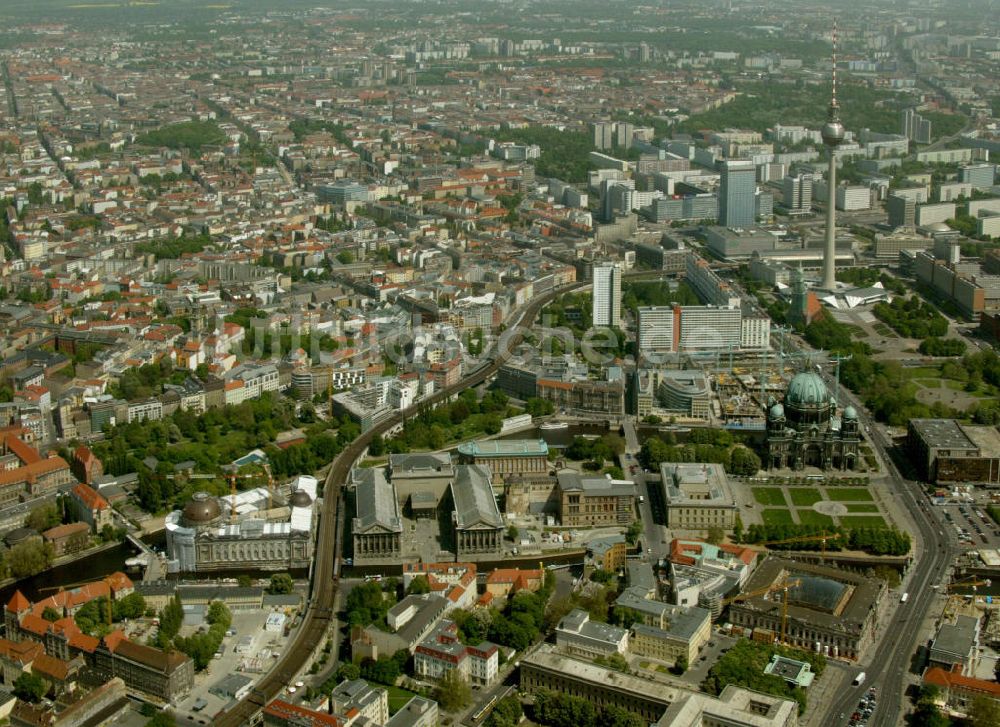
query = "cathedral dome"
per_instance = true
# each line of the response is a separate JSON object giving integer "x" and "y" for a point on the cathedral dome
{"x": 807, "y": 390}
{"x": 850, "y": 413}
{"x": 300, "y": 498}
{"x": 777, "y": 411}
{"x": 202, "y": 509}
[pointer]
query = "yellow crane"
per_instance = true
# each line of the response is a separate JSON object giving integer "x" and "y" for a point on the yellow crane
{"x": 822, "y": 538}
{"x": 955, "y": 598}
{"x": 782, "y": 586}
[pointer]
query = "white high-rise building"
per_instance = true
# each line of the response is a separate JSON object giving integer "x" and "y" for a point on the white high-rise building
{"x": 656, "y": 328}
{"x": 607, "y": 294}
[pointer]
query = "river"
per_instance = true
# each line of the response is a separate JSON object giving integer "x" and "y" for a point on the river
{"x": 88, "y": 568}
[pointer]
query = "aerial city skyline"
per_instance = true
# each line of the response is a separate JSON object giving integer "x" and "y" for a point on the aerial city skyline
{"x": 494, "y": 364}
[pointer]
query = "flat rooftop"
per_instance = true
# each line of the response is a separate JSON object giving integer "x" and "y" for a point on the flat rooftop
{"x": 505, "y": 448}
{"x": 942, "y": 433}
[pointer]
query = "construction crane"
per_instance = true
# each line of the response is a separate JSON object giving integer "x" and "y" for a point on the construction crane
{"x": 821, "y": 538}
{"x": 783, "y": 586}
{"x": 972, "y": 583}
{"x": 956, "y": 598}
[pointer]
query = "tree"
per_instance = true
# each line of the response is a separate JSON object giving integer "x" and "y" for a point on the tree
{"x": 345, "y": 257}
{"x": 453, "y": 692}
{"x": 507, "y": 713}
{"x": 744, "y": 461}
{"x": 280, "y": 583}
{"x": 44, "y": 517}
{"x": 28, "y": 558}
{"x": 984, "y": 712}
{"x": 30, "y": 687}
{"x": 681, "y": 665}
{"x": 633, "y": 532}
{"x": 418, "y": 585}
{"x": 716, "y": 535}
{"x": 244, "y": 581}
{"x": 51, "y": 614}
{"x": 131, "y": 606}
{"x": 162, "y": 719}
{"x": 512, "y": 533}
{"x": 348, "y": 671}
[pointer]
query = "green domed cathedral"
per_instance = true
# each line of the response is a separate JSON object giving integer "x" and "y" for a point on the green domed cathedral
{"x": 805, "y": 431}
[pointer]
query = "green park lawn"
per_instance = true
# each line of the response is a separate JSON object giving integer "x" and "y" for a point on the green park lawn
{"x": 862, "y": 508}
{"x": 862, "y": 521}
{"x": 805, "y": 496}
{"x": 849, "y": 494}
{"x": 768, "y": 495}
{"x": 811, "y": 517}
{"x": 776, "y": 517}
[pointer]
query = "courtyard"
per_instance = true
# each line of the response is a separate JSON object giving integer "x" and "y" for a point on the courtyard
{"x": 821, "y": 503}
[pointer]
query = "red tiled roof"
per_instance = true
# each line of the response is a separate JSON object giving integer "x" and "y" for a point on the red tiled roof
{"x": 23, "y": 652}
{"x": 18, "y": 603}
{"x": 947, "y": 680}
{"x": 51, "y": 666}
{"x": 90, "y": 498}
{"x": 301, "y": 715}
{"x": 84, "y": 642}
{"x": 23, "y": 451}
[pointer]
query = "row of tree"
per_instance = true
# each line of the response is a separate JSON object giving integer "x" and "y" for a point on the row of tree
{"x": 735, "y": 459}
{"x": 877, "y": 541}
{"x": 557, "y": 709}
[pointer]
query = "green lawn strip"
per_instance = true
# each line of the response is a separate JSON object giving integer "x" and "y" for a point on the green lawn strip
{"x": 769, "y": 495}
{"x": 805, "y": 496}
{"x": 856, "y": 508}
{"x": 811, "y": 517}
{"x": 862, "y": 521}
{"x": 777, "y": 517}
{"x": 849, "y": 494}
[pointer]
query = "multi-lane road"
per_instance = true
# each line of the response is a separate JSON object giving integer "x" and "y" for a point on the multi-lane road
{"x": 932, "y": 556}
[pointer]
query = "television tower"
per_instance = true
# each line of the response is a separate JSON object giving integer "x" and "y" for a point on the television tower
{"x": 833, "y": 136}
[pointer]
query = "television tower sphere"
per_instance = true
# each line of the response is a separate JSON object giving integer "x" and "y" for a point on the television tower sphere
{"x": 833, "y": 132}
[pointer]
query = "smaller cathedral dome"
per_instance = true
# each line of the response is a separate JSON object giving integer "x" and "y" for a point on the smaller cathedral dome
{"x": 300, "y": 498}
{"x": 777, "y": 411}
{"x": 850, "y": 413}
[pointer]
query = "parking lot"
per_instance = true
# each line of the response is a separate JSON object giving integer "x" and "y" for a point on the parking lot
{"x": 970, "y": 524}
{"x": 261, "y": 651}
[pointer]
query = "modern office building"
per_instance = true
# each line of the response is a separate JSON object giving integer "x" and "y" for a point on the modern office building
{"x": 797, "y": 193}
{"x": 607, "y": 294}
{"x": 737, "y": 187}
{"x": 686, "y": 392}
{"x": 945, "y": 450}
{"x": 914, "y": 126}
{"x": 707, "y": 327}
{"x": 902, "y": 210}
{"x": 980, "y": 176}
{"x": 656, "y": 329}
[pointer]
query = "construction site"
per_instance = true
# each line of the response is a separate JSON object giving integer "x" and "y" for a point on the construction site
{"x": 810, "y": 606}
